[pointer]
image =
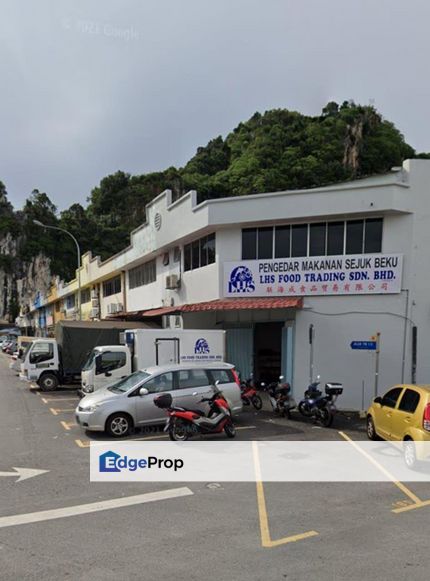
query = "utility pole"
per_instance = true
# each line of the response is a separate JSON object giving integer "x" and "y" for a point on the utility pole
{"x": 378, "y": 343}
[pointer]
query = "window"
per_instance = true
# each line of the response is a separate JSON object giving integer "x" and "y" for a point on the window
{"x": 41, "y": 352}
{"x": 110, "y": 360}
{"x": 143, "y": 274}
{"x": 409, "y": 401}
{"x": 354, "y": 236}
{"x": 390, "y": 398}
{"x": 70, "y": 302}
{"x": 160, "y": 383}
{"x": 265, "y": 243}
{"x": 317, "y": 239}
{"x": 200, "y": 253}
{"x": 314, "y": 239}
{"x": 222, "y": 375}
{"x": 282, "y": 241}
{"x": 112, "y": 286}
{"x": 335, "y": 234}
{"x": 249, "y": 244}
{"x": 373, "y": 235}
{"x": 57, "y": 306}
{"x": 166, "y": 259}
{"x": 85, "y": 296}
{"x": 191, "y": 378}
{"x": 299, "y": 240}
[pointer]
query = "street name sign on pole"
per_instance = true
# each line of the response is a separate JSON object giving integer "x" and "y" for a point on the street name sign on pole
{"x": 364, "y": 345}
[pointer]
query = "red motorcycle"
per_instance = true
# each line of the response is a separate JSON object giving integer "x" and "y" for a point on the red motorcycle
{"x": 249, "y": 394}
{"x": 183, "y": 424}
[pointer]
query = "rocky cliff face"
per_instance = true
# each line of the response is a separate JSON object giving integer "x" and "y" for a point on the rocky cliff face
{"x": 20, "y": 281}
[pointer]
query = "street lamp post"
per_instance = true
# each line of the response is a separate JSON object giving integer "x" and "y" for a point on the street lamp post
{"x": 38, "y": 223}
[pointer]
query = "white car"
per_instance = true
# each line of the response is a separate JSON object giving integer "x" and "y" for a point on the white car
{"x": 129, "y": 402}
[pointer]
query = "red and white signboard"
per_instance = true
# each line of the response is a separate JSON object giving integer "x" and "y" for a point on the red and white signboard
{"x": 315, "y": 275}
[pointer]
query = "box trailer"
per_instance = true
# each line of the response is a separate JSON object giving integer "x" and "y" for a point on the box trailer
{"x": 144, "y": 348}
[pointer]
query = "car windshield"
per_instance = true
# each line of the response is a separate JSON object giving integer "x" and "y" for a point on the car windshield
{"x": 89, "y": 362}
{"x": 130, "y": 381}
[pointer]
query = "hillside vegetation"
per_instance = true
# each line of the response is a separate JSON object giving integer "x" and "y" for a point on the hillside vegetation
{"x": 274, "y": 151}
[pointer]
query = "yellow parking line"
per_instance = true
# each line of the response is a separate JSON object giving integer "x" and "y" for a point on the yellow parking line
{"x": 48, "y": 399}
{"x": 57, "y": 411}
{"x": 82, "y": 443}
{"x": 399, "y": 485}
{"x": 266, "y": 540}
{"x": 414, "y": 506}
{"x": 67, "y": 425}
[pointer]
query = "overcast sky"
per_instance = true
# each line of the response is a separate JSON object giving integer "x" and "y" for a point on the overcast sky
{"x": 92, "y": 86}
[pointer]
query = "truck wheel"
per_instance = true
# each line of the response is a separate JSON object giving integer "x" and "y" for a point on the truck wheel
{"x": 48, "y": 382}
{"x": 119, "y": 425}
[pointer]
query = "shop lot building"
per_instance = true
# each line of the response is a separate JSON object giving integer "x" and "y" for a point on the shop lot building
{"x": 352, "y": 260}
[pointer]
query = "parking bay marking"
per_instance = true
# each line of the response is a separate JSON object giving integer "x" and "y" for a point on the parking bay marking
{"x": 45, "y": 515}
{"x": 68, "y": 425}
{"x": 266, "y": 539}
{"x": 56, "y": 411}
{"x": 417, "y": 502}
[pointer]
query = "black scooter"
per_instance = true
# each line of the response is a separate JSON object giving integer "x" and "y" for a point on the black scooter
{"x": 318, "y": 406}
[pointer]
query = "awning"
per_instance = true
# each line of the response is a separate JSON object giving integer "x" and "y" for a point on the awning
{"x": 230, "y": 305}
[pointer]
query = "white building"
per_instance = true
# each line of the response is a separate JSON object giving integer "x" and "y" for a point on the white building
{"x": 351, "y": 260}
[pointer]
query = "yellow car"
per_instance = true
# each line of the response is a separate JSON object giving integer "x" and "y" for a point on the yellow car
{"x": 403, "y": 415}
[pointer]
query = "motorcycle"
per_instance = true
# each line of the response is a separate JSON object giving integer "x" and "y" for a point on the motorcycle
{"x": 183, "y": 423}
{"x": 280, "y": 397}
{"x": 318, "y": 406}
{"x": 249, "y": 394}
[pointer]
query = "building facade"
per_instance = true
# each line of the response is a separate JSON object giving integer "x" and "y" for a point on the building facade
{"x": 343, "y": 264}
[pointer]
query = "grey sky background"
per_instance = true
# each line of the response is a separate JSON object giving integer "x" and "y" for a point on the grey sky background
{"x": 92, "y": 86}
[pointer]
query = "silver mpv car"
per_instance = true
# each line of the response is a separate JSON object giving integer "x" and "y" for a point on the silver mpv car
{"x": 129, "y": 403}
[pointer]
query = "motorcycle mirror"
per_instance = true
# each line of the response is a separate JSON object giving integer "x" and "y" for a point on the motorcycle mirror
{"x": 143, "y": 391}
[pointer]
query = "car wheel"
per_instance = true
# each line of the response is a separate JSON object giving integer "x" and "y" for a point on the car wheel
{"x": 119, "y": 425}
{"x": 370, "y": 429}
{"x": 410, "y": 454}
{"x": 48, "y": 382}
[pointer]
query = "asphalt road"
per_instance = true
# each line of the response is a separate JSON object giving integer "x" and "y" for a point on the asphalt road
{"x": 212, "y": 533}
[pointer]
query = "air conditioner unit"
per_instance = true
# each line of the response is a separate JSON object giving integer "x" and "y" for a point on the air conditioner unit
{"x": 94, "y": 313}
{"x": 173, "y": 281}
{"x": 172, "y": 322}
{"x": 111, "y": 308}
{"x": 119, "y": 308}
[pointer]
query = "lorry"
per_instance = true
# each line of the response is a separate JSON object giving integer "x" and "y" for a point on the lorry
{"x": 51, "y": 362}
{"x": 143, "y": 348}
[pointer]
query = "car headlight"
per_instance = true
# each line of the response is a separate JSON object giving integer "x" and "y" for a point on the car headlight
{"x": 91, "y": 408}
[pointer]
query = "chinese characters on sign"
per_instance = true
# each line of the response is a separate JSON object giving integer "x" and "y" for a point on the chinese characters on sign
{"x": 325, "y": 275}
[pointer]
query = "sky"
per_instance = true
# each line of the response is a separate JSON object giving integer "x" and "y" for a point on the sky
{"x": 89, "y": 87}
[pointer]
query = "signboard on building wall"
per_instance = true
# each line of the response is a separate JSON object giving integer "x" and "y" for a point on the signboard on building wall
{"x": 315, "y": 275}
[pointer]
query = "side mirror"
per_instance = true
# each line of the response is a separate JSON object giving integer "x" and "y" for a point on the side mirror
{"x": 378, "y": 400}
{"x": 143, "y": 391}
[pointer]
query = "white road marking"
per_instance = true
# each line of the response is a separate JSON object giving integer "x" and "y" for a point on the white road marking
{"x": 44, "y": 515}
{"x": 24, "y": 473}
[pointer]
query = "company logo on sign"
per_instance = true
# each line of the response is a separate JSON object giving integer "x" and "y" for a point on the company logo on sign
{"x": 113, "y": 462}
{"x": 201, "y": 347}
{"x": 241, "y": 280}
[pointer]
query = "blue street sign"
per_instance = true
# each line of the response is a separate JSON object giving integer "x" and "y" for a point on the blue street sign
{"x": 368, "y": 345}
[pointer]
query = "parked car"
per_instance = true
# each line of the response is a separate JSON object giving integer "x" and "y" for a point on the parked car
{"x": 128, "y": 403}
{"x": 403, "y": 415}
